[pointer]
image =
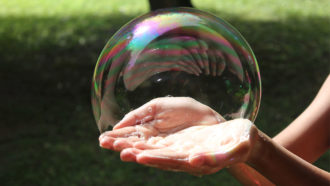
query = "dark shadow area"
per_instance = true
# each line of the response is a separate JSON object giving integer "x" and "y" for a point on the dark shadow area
{"x": 48, "y": 135}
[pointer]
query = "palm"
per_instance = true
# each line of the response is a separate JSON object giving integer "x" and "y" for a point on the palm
{"x": 171, "y": 114}
{"x": 198, "y": 148}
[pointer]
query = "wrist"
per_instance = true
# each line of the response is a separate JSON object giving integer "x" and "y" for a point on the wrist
{"x": 258, "y": 152}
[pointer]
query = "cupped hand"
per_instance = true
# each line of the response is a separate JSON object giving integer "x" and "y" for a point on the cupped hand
{"x": 170, "y": 114}
{"x": 196, "y": 144}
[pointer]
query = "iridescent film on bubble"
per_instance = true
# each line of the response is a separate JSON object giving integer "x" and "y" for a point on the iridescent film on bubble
{"x": 176, "y": 52}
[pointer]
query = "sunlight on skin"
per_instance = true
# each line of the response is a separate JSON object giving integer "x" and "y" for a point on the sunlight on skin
{"x": 206, "y": 143}
{"x": 196, "y": 149}
{"x": 197, "y": 144}
{"x": 203, "y": 143}
{"x": 171, "y": 114}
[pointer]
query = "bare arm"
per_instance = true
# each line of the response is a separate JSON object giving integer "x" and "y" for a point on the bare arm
{"x": 307, "y": 137}
{"x": 283, "y": 167}
{"x": 261, "y": 152}
{"x": 247, "y": 175}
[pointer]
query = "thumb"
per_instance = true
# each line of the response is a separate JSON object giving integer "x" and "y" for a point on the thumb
{"x": 140, "y": 115}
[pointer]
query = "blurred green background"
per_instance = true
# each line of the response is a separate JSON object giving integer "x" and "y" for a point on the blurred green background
{"x": 48, "y": 50}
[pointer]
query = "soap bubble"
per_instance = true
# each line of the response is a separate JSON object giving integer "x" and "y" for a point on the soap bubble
{"x": 176, "y": 52}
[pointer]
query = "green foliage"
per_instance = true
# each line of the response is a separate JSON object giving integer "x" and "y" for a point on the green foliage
{"x": 48, "y": 50}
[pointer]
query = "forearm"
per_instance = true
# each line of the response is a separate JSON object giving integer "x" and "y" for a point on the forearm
{"x": 308, "y": 135}
{"x": 246, "y": 175}
{"x": 283, "y": 167}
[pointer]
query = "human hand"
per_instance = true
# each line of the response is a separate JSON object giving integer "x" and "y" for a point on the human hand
{"x": 171, "y": 114}
{"x": 196, "y": 147}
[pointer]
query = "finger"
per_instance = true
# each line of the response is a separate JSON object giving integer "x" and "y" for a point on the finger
{"x": 210, "y": 170}
{"x": 107, "y": 142}
{"x": 163, "y": 158}
{"x": 124, "y": 143}
{"x": 197, "y": 160}
{"x": 204, "y": 170}
{"x": 208, "y": 163}
{"x": 129, "y": 154}
{"x": 124, "y": 132}
{"x": 140, "y": 115}
{"x": 213, "y": 159}
{"x": 117, "y": 144}
{"x": 219, "y": 117}
{"x": 142, "y": 145}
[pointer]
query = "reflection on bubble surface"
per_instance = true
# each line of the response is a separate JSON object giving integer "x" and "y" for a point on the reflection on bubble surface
{"x": 176, "y": 52}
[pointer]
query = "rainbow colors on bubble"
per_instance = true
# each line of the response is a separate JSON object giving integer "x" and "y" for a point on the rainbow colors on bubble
{"x": 176, "y": 52}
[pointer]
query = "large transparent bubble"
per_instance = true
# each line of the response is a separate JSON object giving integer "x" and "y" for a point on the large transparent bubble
{"x": 176, "y": 52}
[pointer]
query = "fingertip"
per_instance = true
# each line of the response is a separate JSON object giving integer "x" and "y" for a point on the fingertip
{"x": 101, "y": 136}
{"x": 140, "y": 115}
{"x": 143, "y": 146}
{"x": 106, "y": 142}
{"x": 149, "y": 159}
{"x": 125, "y": 121}
{"x": 129, "y": 155}
{"x": 118, "y": 125}
{"x": 104, "y": 134}
{"x": 142, "y": 159}
{"x": 196, "y": 160}
{"x": 140, "y": 145}
{"x": 128, "y": 120}
{"x": 121, "y": 144}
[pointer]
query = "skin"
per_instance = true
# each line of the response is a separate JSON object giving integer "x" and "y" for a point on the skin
{"x": 283, "y": 167}
{"x": 198, "y": 150}
{"x": 157, "y": 133}
{"x": 152, "y": 135}
{"x": 307, "y": 136}
{"x": 247, "y": 175}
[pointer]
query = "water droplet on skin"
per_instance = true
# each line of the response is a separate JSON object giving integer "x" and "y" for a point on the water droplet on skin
{"x": 146, "y": 120}
{"x": 143, "y": 121}
{"x": 149, "y": 109}
{"x": 219, "y": 118}
{"x": 138, "y": 134}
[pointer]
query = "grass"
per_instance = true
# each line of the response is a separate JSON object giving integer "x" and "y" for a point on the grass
{"x": 48, "y": 50}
